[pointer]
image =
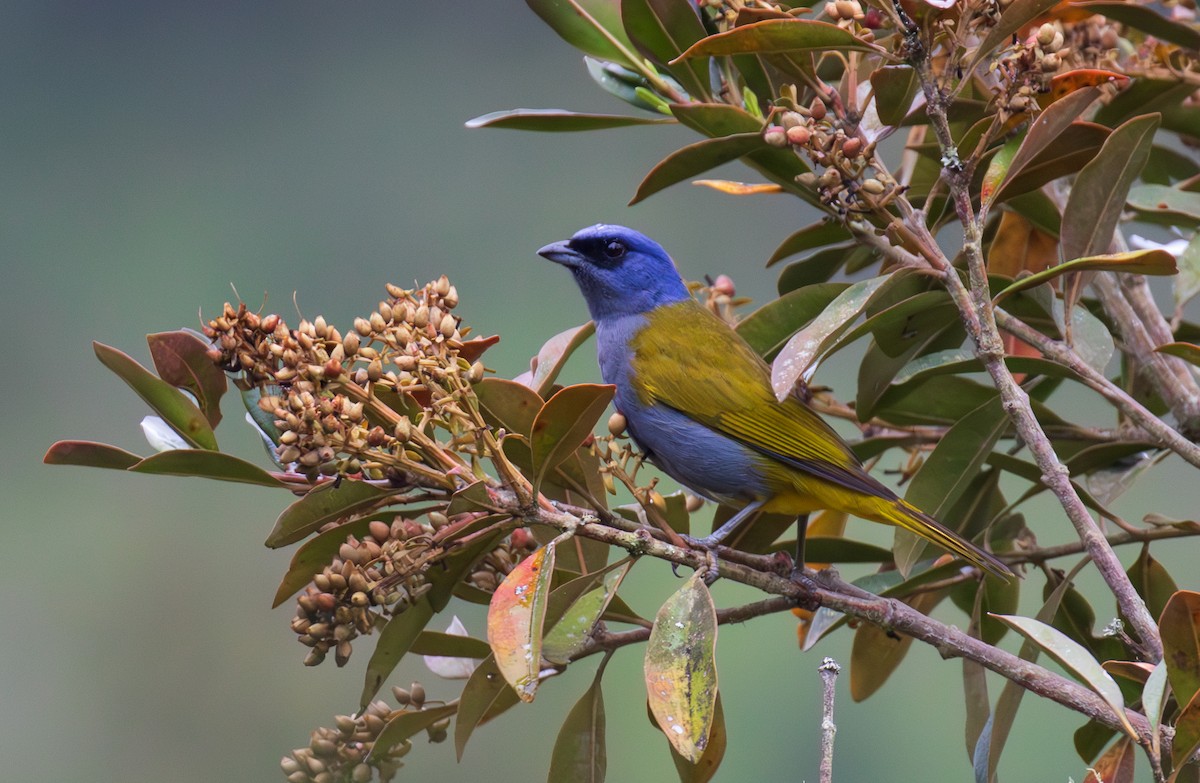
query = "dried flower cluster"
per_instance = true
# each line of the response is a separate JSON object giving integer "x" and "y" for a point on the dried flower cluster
{"x": 344, "y": 752}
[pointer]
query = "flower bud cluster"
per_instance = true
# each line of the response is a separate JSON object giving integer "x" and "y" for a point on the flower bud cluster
{"x": 849, "y": 15}
{"x": 342, "y": 753}
{"x": 319, "y": 378}
{"x": 840, "y": 157}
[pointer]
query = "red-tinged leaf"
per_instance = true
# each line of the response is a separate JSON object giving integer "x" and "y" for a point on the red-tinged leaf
{"x": 569, "y": 621}
{"x": 485, "y": 696}
{"x": 207, "y": 464}
{"x": 1048, "y": 126}
{"x": 559, "y": 120}
{"x": 1018, "y": 14}
{"x": 1076, "y": 658}
{"x": 797, "y": 359}
{"x": 515, "y": 620}
{"x": 819, "y": 234}
{"x": 997, "y": 170}
{"x": 1098, "y": 195}
{"x": 876, "y": 653}
{"x": 328, "y": 502}
{"x": 681, "y": 670}
{"x": 89, "y": 454}
{"x": 1144, "y": 262}
{"x": 181, "y": 359}
{"x": 592, "y": 26}
{"x": 739, "y": 188}
{"x": 580, "y": 754}
{"x": 895, "y": 88}
{"x": 1187, "y": 734}
{"x": 1147, "y": 20}
{"x": 405, "y": 724}
{"x": 564, "y": 422}
{"x": 662, "y": 30}
{"x": 545, "y": 367}
{"x": 1115, "y": 766}
{"x": 471, "y": 350}
{"x": 1072, "y": 149}
{"x": 714, "y": 752}
{"x": 1065, "y": 84}
{"x": 168, "y": 402}
{"x": 776, "y": 36}
{"x": 1134, "y": 671}
{"x": 1179, "y": 625}
{"x": 313, "y": 555}
{"x": 695, "y": 159}
{"x": 1187, "y": 351}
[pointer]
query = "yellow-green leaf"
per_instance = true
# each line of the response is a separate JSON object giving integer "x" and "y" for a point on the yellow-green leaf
{"x": 1144, "y": 262}
{"x": 681, "y": 670}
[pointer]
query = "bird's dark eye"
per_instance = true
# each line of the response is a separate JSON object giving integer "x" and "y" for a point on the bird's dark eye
{"x": 614, "y": 249}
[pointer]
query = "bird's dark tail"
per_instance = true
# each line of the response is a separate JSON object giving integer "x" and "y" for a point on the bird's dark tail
{"x": 913, "y": 519}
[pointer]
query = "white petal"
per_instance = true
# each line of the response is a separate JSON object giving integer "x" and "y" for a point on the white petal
{"x": 452, "y": 668}
{"x": 161, "y": 436}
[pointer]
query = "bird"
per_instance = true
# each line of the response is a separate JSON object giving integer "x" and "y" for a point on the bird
{"x": 698, "y": 400}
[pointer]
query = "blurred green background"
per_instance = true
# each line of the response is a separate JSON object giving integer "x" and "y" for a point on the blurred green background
{"x": 154, "y": 154}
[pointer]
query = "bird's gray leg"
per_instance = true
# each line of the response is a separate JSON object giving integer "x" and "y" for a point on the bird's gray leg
{"x": 719, "y": 535}
{"x": 801, "y": 539}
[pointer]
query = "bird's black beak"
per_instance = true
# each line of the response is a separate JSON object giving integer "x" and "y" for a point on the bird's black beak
{"x": 561, "y": 253}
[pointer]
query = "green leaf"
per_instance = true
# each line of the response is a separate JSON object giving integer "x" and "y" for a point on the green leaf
{"x": 545, "y": 367}
{"x": 449, "y": 645}
{"x": 485, "y": 696}
{"x": 181, "y": 359}
{"x": 569, "y": 621}
{"x": 1154, "y": 697}
{"x": 394, "y": 642}
{"x": 1173, "y": 203}
{"x": 579, "y": 752}
{"x": 559, "y": 120}
{"x": 695, "y": 159}
{"x": 1147, "y": 20}
{"x": 89, "y": 454}
{"x": 630, "y": 86}
{"x": 1144, "y": 262}
{"x": 1043, "y": 131}
{"x": 515, "y": 621}
{"x": 1152, "y": 581}
{"x": 895, "y": 88}
{"x": 1014, "y": 17}
{"x": 1076, "y": 658}
{"x": 778, "y": 36}
{"x": 405, "y": 724}
{"x": 168, "y": 402}
{"x": 1098, "y": 195}
{"x": 215, "y": 465}
{"x": 1185, "y": 351}
{"x": 1187, "y": 284}
{"x": 819, "y": 234}
{"x": 325, "y": 503}
{"x": 820, "y": 266}
{"x": 591, "y": 26}
{"x": 797, "y": 360}
{"x": 680, "y": 668}
{"x": 1180, "y": 629}
{"x": 662, "y": 30}
{"x": 563, "y": 423}
{"x": 770, "y": 326}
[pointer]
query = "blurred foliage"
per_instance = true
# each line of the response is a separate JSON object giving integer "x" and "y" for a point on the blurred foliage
{"x": 416, "y": 475}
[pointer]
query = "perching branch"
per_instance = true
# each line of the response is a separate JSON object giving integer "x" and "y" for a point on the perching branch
{"x": 829, "y": 671}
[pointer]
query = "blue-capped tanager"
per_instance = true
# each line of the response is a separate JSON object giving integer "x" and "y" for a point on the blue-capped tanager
{"x": 698, "y": 400}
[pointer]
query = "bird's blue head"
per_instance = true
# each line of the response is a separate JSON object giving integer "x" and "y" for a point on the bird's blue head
{"x": 620, "y": 271}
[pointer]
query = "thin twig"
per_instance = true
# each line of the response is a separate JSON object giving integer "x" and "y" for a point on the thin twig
{"x": 829, "y": 671}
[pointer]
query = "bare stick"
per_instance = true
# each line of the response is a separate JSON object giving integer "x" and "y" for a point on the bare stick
{"x": 829, "y": 671}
